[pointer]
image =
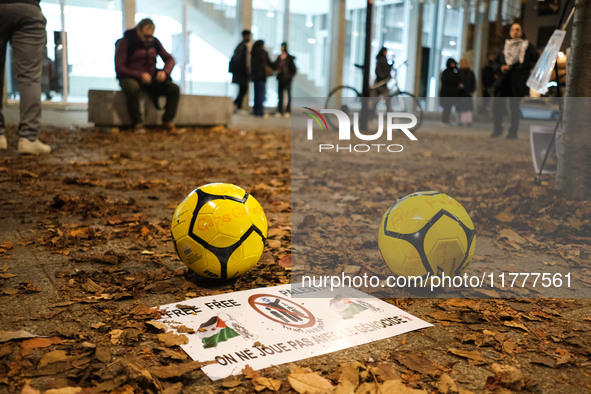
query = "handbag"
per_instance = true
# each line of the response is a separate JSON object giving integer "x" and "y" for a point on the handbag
{"x": 269, "y": 70}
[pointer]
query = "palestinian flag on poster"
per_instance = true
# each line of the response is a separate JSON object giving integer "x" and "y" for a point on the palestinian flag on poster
{"x": 215, "y": 331}
{"x": 345, "y": 307}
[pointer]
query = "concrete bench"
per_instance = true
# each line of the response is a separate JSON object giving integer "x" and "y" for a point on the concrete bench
{"x": 106, "y": 108}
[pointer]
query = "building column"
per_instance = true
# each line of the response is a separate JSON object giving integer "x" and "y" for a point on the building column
{"x": 415, "y": 52}
{"x": 128, "y": 8}
{"x": 286, "y": 21}
{"x": 245, "y": 15}
{"x": 337, "y": 42}
{"x": 480, "y": 41}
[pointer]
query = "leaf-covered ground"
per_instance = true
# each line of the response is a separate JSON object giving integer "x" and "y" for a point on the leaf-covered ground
{"x": 85, "y": 254}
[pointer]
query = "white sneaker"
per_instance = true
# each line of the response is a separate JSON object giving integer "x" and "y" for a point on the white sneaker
{"x": 3, "y": 144}
{"x": 26, "y": 147}
{"x": 287, "y": 115}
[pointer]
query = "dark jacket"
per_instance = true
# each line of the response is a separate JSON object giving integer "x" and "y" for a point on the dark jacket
{"x": 258, "y": 60}
{"x": 512, "y": 84}
{"x": 383, "y": 68}
{"x": 465, "y": 90}
{"x": 285, "y": 70}
{"x": 238, "y": 66}
{"x": 450, "y": 80}
{"x": 134, "y": 57}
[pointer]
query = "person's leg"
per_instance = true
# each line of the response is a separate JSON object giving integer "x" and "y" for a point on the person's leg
{"x": 27, "y": 43}
{"x": 498, "y": 107}
{"x": 242, "y": 90}
{"x": 515, "y": 111}
{"x": 259, "y": 97}
{"x": 446, "y": 104}
{"x": 173, "y": 94}
{"x": 280, "y": 92}
{"x": 288, "y": 88}
{"x": 131, "y": 89}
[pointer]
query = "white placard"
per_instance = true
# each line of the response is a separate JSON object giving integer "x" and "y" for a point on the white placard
{"x": 265, "y": 327}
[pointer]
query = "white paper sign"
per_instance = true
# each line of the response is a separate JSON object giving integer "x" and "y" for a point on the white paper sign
{"x": 266, "y": 327}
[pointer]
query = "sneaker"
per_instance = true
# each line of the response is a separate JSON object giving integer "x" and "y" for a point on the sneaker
{"x": 139, "y": 129}
{"x": 443, "y": 124}
{"x": 287, "y": 115}
{"x": 3, "y": 144}
{"x": 278, "y": 114}
{"x": 27, "y": 147}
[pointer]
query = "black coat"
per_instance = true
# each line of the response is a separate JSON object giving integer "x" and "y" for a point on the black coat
{"x": 465, "y": 90}
{"x": 259, "y": 59}
{"x": 450, "y": 80}
{"x": 285, "y": 71}
{"x": 383, "y": 68}
{"x": 238, "y": 66}
{"x": 512, "y": 84}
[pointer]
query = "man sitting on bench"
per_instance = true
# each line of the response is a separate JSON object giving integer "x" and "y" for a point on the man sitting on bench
{"x": 135, "y": 65}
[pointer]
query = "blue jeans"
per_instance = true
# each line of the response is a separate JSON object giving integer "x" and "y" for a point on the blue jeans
{"x": 23, "y": 25}
{"x": 260, "y": 90}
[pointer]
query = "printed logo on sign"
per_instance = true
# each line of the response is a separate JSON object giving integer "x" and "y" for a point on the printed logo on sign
{"x": 282, "y": 311}
{"x": 349, "y": 129}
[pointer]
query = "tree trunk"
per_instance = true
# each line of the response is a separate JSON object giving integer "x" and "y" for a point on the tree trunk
{"x": 573, "y": 178}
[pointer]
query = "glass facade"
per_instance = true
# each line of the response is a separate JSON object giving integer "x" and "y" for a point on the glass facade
{"x": 202, "y": 34}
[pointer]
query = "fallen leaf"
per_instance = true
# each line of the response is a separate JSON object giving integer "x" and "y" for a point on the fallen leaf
{"x": 472, "y": 355}
{"x": 27, "y": 347}
{"x": 91, "y": 287}
{"x": 396, "y": 386}
{"x": 446, "y": 384}
{"x": 171, "y": 339}
{"x": 310, "y": 383}
{"x": 65, "y": 390}
{"x": 285, "y": 261}
{"x": 261, "y": 383}
{"x": 174, "y": 370}
{"x": 115, "y": 335}
{"x": 418, "y": 363}
{"x": 53, "y": 357}
{"x": 6, "y": 336}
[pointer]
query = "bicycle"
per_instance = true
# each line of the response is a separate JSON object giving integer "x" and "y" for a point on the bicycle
{"x": 348, "y": 99}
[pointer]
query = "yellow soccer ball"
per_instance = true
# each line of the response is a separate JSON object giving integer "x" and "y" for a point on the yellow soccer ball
{"x": 219, "y": 231}
{"x": 426, "y": 233}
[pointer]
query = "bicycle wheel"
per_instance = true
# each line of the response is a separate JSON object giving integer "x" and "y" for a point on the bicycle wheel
{"x": 344, "y": 98}
{"x": 406, "y": 102}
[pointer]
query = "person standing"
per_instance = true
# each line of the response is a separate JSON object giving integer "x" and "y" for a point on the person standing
{"x": 513, "y": 64}
{"x": 383, "y": 71}
{"x": 466, "y": 89}
{"x": 285, "y": 69}
{"x": 260, "y": 68}
{"x": 23, "y": 25}
{"x": 135, "y": 65}
{"x": 450, "y": 80}
{"x": 240, "y": 68}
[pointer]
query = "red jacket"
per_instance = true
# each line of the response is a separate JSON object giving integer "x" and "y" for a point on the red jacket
{"x": 134, "y": 57}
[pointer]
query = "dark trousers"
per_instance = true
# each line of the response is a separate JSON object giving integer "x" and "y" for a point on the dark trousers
{"x": 132, "y": 89}
{"x": 260, "y": 89}
{"x": 446, "y": 103}
{"x": 242, "y": 90}
{"x": 284, "y": 86}
{"x": 500, "y": 109}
